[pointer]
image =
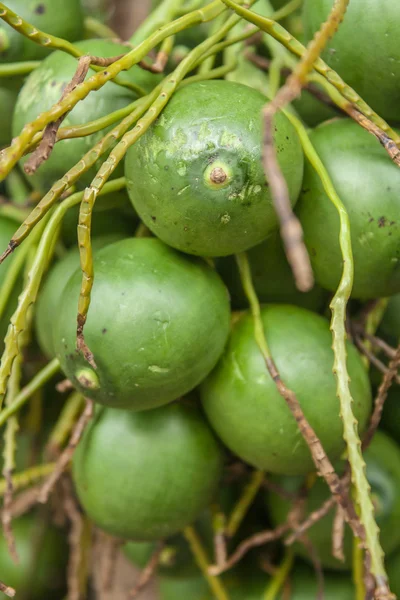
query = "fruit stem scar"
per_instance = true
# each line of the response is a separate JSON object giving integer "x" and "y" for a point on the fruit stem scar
{"x": 88, "y": 379}
{"x": 217, "y": 175}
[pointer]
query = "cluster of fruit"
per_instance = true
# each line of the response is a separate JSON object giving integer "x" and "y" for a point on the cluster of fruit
{"x": 184, "y": 403}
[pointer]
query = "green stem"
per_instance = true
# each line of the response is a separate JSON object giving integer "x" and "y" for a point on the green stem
{"x": 203, "y": 563}
{"x": 287, "y": 10}
{"x": 28, "y": 477}
{"x": 36, "y": 383}
{"x": 279, "y": 578}
{"x": 15, "y": 213}
{"x": 66, "y": 421}
{"x": 358, "y": 569}
{"x": 244, "y": 502}
{"x": 19, "y": 68}
{"x": 96, "y": 28}
{"x": 286, "y": 39}
{"x": 13, "y": 153}
{"x": 165, "y": 12}
{"x": 362, "y": 490}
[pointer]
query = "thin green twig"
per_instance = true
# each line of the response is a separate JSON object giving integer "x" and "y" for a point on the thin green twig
{"x": 280, "y": 576}
{"x": 245, "y": 501}
{"x": 26, "y": 478}
{"x": 19, "y": 68}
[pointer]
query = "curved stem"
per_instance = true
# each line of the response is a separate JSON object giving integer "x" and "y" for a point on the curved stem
{"x": 36, "y": 383}
{"x": 245, "y": 501}
{"x": 96, "y": 28}
{"x": 19, "y": 68}
{"x": 279, "y": 578}
{"x": 362, "y": 490}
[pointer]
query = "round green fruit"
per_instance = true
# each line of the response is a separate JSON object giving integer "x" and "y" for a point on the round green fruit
{"x": 383, "y": 472}
{"x": 196, "y": 178}
{"x": 368, "y": 184}
{"x": 51, "y": 293}
{"x": 157, "y": 324}
{"x": 365, "y": 50}
{"x": 43, "y": 556}
{"x": 146, "y": 475}
{"x": 56, "y": 17}
{"x": 245, "y": 408}
{"x": 272, "y": 278}
{"x": 43, "y": 88}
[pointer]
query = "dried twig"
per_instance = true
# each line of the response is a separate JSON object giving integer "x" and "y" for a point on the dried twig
{"x": 148, "y": 572}
{"x": 45, "y": 148}
{"x": 67, "y": 454}
{"x": 25, "y": 501}
{"x": 387, "y": 381}
{"x": 7, "y": 515}
{"x": 374, "y": 359}
{"x": 64, "y": 386}
{"x": 338, "y": 534}
{"x": 385, "y": 141}
{"x": 313, "y": 518}
{"x": 254, "y": 541}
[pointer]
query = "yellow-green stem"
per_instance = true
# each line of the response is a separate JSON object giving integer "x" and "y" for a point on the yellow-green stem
{"x": 245, "y": 501}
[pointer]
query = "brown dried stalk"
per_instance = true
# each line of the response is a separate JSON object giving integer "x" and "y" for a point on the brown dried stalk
{"x": 254, "y": 541}
{"x": 338, "y": 534}
{"x": 7, "y": 516}
{"x": 385, "y": 141}
{"x": 313, "y": 518}
{"x": 387, "y": 381}
{"x": 45, "y": 148}
{"x": 25, "y": 501}
{"x": 148, "y": 572}
{"x": 68, "y": 452}
{"x": 291, "y": 231}
{"x": 373, "y": 359}
{"x": 64, "y": 386}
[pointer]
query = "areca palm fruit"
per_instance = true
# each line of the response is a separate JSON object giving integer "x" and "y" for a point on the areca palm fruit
{"x": 157, "y": 324}
{"x": 383, "y": 472}
{"x": 245, "y": 408}
{"x": 51, "y": 293}
{"x": 43, "y": 88}
{"x": 365, "y": 50}
{"x": 57, "y": 17}
{"x": 146, "y": 475}
{"x": 196, "y": 178}
{"x": 42, "y": 553}
{"x": 368, "y": 184}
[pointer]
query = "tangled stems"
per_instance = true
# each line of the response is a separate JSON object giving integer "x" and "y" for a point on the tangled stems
{"x": 295, "y": 47}
{"x": 362, "y": 490}
{"x": 28, "y": 477}
{"x": 12, "y": 154}
{"x": 29, "y": 293}
{"x": 168, "y": 87}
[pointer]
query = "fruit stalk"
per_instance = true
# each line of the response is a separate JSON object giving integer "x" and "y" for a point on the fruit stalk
{"x": 26, "y": 478}
{"x": 245, "y": 501}
{"x": 338, "y": 307}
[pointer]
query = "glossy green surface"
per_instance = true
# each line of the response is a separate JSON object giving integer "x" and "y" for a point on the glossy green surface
{"x": 383, "y": 473}
{"x": 368, "y": 183}
{"x": 365, "y": 51}
{"x": 43, "y": 556}
{"x": 146, "y": 475}
{"x": 272, "y": 278}
{"x": 50, "y": 295}
{"x": 157, "y": 324}
{"x": 206, "y": 125}
{"x": 44, "y": 87}
{"x": 58, "y": 17}
{"x": 245, "y": 408}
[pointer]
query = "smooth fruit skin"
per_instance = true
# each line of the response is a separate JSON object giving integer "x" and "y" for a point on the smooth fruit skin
{"x": 51, "y": 293}
{"x": 43, "y": 88}
{"x": 146, "y": 475}
{"x": 365, "y": 50}
{"x": 157, "y": 324}
{"x": 41, "y": 570}
{"x": 245, "y": 408}
{"x": 383, "y": 473}
{"x": 60, "y": 18}
{"x": 171, "y": 178}
{"x": 272, "y": 278}
{"x": 368, "y": 184}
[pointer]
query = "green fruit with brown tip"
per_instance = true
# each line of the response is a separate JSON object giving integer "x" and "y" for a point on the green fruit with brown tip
{"x": 44, "y": 87}
{"x": 368, "y": 184}
{"x": 196, "y": 177}
{"x": 157, "y": 324}
{"x": 42, "y": 553}
{"x": 383, "y": 473}
{"x": 56, "y": 17}
{"x": 146, "y": 475}
{"x": 365, "y": 50}
{"x": 272, "y": 278}
{"x": 245, "y": 408}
